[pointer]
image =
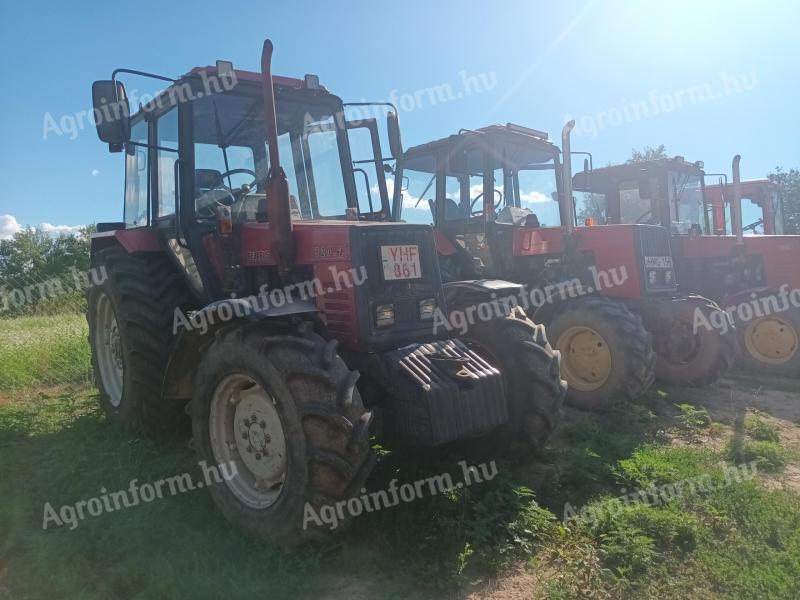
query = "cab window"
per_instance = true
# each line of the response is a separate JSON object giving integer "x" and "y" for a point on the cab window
{"x": 136, "y": 177}
{"x": 167, "y": 155}
{"x": 632, "y": 207}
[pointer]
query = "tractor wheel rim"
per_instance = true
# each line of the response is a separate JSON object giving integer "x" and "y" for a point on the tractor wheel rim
{"x": 246, "y": 432}
{"x": 108, "y": 345}
{"x": 585, "y": 358}
{"x": 771, "y": 340}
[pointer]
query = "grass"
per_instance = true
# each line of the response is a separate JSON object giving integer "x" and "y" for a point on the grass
{"x": 732, "y": 537}
{"x": 43, "y": 351}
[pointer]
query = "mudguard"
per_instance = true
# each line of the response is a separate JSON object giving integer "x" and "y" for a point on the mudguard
{"x": 197, "y": 328}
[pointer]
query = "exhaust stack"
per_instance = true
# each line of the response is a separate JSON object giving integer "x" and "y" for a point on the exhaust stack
{"x": 736, "y": 202}
{"x": 566, "y": 208}
{"x": 278, "y": 207}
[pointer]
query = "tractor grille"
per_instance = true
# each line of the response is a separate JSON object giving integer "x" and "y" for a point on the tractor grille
{"x": 657, "y": 268}
{"x": 653, "y": 241}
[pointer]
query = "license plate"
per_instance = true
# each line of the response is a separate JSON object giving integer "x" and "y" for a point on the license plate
{"x": 658, "y": 262}
{"x": 400, "y": 262}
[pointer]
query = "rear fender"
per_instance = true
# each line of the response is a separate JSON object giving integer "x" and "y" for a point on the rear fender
{"x": 139, "y": 239}
{"x": 198, "y": 328}
{"x": 545, "y": 302}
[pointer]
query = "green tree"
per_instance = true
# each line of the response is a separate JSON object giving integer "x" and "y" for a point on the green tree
{"x": 648, "y": 153}
{"x": 33, "y": 253}
{"x": 788, "y": 183}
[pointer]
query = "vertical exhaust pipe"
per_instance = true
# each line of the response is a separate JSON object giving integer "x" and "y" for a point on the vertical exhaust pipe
{"x": 278, "y": 207}
{"x": 566, "y": 208}
{"x": 736, "y": 202}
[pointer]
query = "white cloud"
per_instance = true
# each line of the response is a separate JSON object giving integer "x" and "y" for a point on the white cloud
{"x": 534, "y": 197}
{"x": 8, "y": 226}
{"x": 59, "y": 229}
{"x": 95, "y": 172}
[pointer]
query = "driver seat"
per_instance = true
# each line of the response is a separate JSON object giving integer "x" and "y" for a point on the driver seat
{"x": 452, "y": 211}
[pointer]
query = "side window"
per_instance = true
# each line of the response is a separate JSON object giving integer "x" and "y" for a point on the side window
{"x": 136, "y": 177}
{"x": 538, "y": 192}
{"x": 167, "y": 154}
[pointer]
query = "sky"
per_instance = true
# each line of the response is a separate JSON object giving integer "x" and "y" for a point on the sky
{"x": 707, "y": 79}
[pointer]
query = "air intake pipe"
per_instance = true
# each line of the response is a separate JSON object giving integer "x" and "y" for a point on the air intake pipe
{"x": 278, "y": 207}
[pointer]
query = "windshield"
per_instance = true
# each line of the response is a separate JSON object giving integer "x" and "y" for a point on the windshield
{"x": 232, "y": 159}
{"x": 685, "y": 201}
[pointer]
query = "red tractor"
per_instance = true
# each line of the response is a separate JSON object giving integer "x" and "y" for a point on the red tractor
{"x": 252, "y": 292}
{"x": 502, "y": 207}
{"x": 754, "y": 277}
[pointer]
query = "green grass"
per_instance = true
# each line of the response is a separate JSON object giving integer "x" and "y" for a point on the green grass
{"x": 726, "y": 540}
{"x": 43, "y": 351}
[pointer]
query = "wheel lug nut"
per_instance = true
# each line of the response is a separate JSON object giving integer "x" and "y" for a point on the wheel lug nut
{"x": 258, "y": 456}
{"x": 263, "y": 424}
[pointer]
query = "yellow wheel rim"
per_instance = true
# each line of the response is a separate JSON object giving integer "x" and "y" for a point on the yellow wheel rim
{"x": 585, "y": 358}
{"x": 771, "y": 340}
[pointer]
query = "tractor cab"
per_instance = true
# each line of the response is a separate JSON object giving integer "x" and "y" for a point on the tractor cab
{"x": 762, "y": 211}
{"x": 660, "y": 192}
{"x": 501, "y": 174}
{"x": 478, "y": 187}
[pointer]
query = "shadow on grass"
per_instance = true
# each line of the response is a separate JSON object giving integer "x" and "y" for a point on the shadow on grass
{"x": 58, "y": 448}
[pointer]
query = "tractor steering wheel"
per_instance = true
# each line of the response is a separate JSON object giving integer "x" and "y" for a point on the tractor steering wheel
{"x": 220, "y": 185}
{"x": 475, "y": 213}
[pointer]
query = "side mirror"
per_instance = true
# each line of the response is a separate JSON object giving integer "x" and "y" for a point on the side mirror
{"x": 645, "y": 188}
{"x": 111, "y": 113}
{"x": 393, "y": 129}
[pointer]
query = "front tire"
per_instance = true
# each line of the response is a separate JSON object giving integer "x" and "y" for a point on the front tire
{"x": 606, "y": 352}
{"x": 530, "y": 368}
{"x": 281, "y": 406}
{"x": 695, "y": 356}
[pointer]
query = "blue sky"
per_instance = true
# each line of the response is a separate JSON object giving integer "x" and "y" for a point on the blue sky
{"x": 719, "y": 77}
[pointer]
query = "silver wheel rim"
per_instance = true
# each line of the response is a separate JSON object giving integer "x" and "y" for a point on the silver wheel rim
{"x": 246, "y": 430}
{"x": 108, "y": 345}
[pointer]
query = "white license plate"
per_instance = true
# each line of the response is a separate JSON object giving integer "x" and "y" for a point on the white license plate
{"x": 658, "y": 262}
{"x": 400, "y": 262}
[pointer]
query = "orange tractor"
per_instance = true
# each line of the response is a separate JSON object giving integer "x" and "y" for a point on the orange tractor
{"x": 247, "y": 287}
{"x": 502, "y": 207}
{"x": 754, "y": 277}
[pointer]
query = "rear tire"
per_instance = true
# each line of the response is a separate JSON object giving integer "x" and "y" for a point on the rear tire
{"x": 530, "y": 368}
{"x": 130, "y": 315}
{"x": 704, "y": 355}
{"x": 323, "y": 424}
{"x": 606, "y": 352}
{"x": 769, "y": 344}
